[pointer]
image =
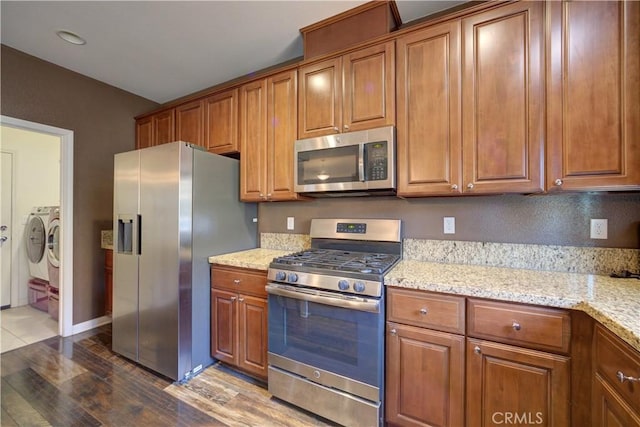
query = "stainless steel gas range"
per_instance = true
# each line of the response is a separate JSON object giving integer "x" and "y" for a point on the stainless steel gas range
{"x": 326, "y": 320}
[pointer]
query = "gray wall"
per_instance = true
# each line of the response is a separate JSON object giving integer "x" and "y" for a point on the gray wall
{"x": 541, "y": 219}
{"x": 101, "y": 118}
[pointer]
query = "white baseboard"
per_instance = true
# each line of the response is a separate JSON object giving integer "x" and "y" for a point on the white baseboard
{"x": 90, "y": 324}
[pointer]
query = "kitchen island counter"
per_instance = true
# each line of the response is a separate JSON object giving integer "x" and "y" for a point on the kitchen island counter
{"x": 613, "y": 302}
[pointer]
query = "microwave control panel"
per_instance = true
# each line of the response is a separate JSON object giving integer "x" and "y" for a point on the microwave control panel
{"x": 377, "y": 161}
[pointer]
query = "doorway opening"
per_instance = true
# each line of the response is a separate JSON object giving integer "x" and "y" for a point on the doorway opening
{"x": 65, "y": 136}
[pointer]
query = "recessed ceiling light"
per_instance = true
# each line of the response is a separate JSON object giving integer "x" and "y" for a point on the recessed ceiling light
{"x": 70, "y": 37}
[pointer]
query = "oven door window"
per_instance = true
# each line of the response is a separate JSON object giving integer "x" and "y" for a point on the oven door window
{"x": 343, "y": 341}
{"x": 328, "y": 165}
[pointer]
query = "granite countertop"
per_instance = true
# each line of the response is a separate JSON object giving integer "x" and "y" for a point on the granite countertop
{"x": 258, "y": 259}
{"x": 613, "y": 302}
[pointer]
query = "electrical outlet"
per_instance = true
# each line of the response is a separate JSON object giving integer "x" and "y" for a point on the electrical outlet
{"x": 290, "y": 223}
{"x": 449, "y": 225}
{"x": 599, "y": 228}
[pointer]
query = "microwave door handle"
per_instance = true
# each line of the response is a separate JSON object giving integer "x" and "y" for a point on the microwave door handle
{"x": 361, "y": 162}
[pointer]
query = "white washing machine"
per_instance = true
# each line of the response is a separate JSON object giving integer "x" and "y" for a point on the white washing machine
{"x": 53, "y": 247}
{"x": 53, "y": 260}
{"x": 36, "y": 242}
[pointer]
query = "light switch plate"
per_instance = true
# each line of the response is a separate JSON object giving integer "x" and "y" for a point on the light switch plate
{"x": 290, "y": 223}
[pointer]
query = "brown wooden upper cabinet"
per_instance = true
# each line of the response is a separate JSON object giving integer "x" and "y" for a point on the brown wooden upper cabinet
{"x": 471, "y": 104}
{"x": 144, "y": 132}
{"x": 428, "y": 132}
{"x": 503, "y": 108}
{"x": 594, "y": 96}
{"x": 352, "y": 92}
{"x": 221, "y": 122}
{"x": 155, "y": 129}
{"x": 190, "y": 122}
{"x": 268, "y": 130}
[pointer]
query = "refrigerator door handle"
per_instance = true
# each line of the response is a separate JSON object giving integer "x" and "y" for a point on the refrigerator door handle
{"x": 138, "y": 227}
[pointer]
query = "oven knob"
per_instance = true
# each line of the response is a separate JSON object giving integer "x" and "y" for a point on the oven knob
{"x": 343, "y": 285}
{"x": 293, "y": 277}
{"x": 281, "y": 275}
{"x": 358, "y": 287}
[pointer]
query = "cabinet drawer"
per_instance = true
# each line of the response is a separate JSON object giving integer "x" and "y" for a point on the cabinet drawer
{"x": 612, "y": 355}
{"x": 241, "y": 280}
{"x": 523, "y": 325}
{"x": 424, "y": 309}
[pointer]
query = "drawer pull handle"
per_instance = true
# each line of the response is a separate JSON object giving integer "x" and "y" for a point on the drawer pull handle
{"x": 393, "y": 332}
{"x": 236, "y": 281}
{"x": 516, "y": 326}
{"x": 477, "y": 350}
{"x": 622, "y": 377}
{"x": 423, "y": 311}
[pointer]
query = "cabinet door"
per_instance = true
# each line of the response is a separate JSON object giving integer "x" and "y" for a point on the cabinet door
{"x": 425, "y": 377}
{"x": 507, "y": 383}
{"x": 503, "y": 99}
{"x": 369, "y": 95}
{"x": 163, "y": 127}
{"x": 429, "y": 134}
{"x": 593, "y": 97}
{"x": 144, "y": 132}
{"x": 282, "y": 130}
{"x": 252, "y": 335}
{"x": 320, "y": 98}
{"x": 224, "y": 345}
{"x": 221, "y": 122}
{"x": 609, "y": 409}
{"x": 190, "y": 123}
{"x": 253, "y": 141}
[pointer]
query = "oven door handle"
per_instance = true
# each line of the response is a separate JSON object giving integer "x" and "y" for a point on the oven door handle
{"x": 322, "y": 298}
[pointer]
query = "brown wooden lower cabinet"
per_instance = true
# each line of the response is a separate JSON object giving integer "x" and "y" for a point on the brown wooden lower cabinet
{"x": 425, "y": 377}
{"x": 108, "y": 280}
{"x": 239, "y": 319}
{"x": 514, "y": 385}
{"x": 616, "y": 381}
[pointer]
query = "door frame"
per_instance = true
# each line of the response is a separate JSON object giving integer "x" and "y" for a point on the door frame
{"x": 65, "y": 322}
{"x": 12, "y": 293}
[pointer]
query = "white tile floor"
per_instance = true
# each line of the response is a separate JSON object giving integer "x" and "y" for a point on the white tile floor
{"x": 25, "y": 325}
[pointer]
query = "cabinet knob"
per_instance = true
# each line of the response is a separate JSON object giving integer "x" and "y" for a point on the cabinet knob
{"x": 470, "y": 186}
{"x": 393, "y": 332}
{"x": 233, "y": 299}
{"x": 622, "y": 377}
{"x": 240, "y": 299}
{"x": 516, "y": 326}
{"x": 346, "y": 127}
{"x": 423, "y": 311}
{"x": 477, "y": 350}
{"x": 335, "y": 129}
{"x": 454, "y": 187}
{"x": 236, "y": 281}
{"x": 558, "y": 182}
{"x": 269, "y": 195}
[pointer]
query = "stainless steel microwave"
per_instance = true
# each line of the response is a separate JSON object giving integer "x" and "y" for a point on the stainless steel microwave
{"x": 349, "y": 164}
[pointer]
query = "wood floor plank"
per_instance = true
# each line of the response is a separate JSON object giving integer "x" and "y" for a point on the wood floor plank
{"x": 55, "y": 407}
{"x": 16, "y": 411}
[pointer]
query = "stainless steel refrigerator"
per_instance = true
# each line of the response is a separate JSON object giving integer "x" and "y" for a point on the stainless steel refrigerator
{"x": 174, "y": 206}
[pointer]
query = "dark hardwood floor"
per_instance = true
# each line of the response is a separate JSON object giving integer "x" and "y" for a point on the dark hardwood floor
{"x": 79, "y": 381}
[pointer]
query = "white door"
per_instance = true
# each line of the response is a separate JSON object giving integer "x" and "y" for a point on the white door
{"x": 5, "y": 228}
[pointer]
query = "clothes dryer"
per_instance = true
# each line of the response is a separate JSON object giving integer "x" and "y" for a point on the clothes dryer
{"x": 53, "y": 247}
{"x": 36, "y": 242}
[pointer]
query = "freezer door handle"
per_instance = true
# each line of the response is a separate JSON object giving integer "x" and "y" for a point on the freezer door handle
{"x": 128, "y": 234}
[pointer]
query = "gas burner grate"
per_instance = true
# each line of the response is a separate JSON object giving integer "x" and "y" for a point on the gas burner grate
{"x": 338, "y": 260}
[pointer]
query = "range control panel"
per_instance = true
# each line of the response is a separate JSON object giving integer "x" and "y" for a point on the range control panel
{"x": 350, "y": 227}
